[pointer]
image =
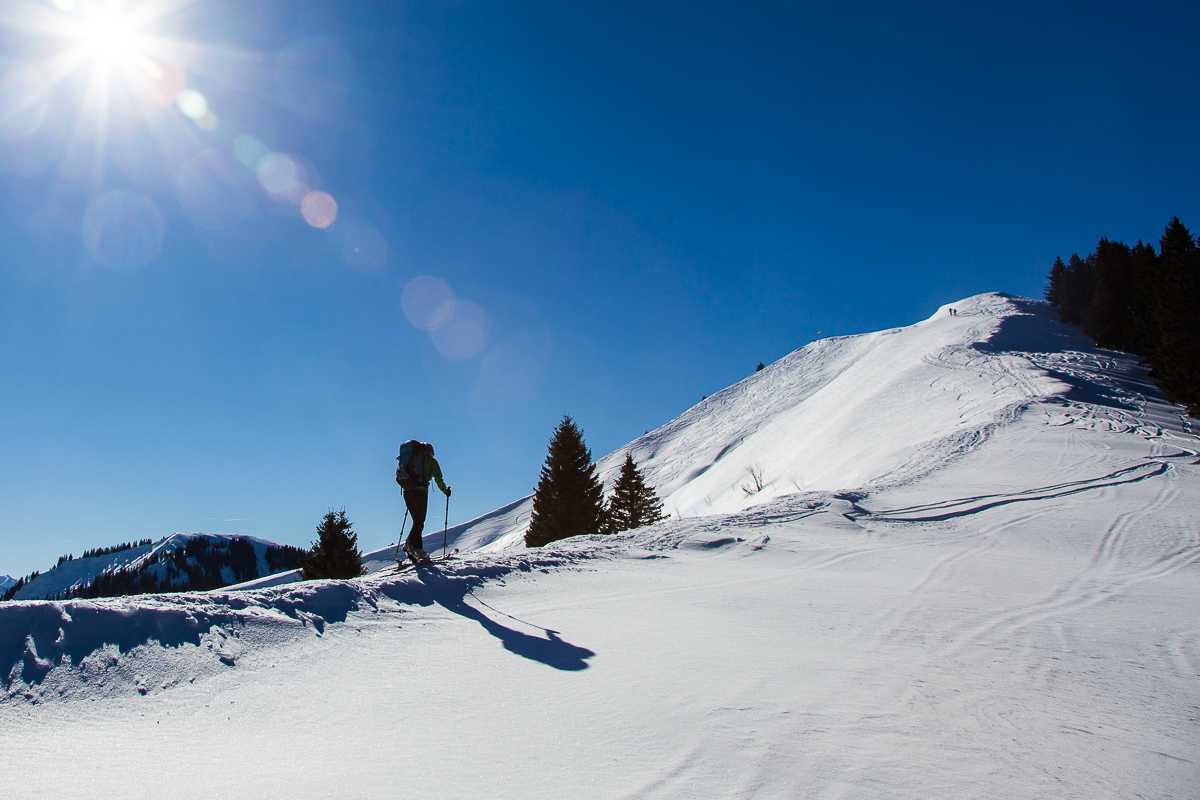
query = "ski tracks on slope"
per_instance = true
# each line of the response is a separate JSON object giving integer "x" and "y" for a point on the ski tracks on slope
{"x": 1106, "y": 577}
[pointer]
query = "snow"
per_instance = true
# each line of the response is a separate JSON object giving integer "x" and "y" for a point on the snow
{"x": 5, "y": 582}
{"x": 985, "y": 589}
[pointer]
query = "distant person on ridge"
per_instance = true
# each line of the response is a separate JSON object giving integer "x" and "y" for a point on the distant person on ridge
{"x": 416, "y": 468}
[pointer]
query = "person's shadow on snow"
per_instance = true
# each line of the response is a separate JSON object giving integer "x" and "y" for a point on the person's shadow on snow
{"x": 551, "y": 650}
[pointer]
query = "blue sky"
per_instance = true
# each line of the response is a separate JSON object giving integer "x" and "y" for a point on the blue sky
{"x": 602, "y": 209}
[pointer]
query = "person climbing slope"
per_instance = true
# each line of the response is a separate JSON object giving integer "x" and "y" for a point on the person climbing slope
{"x": 416, "y": 468}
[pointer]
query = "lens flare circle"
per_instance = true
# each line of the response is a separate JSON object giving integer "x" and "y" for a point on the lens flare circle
{"x": 278, "y": 174}
{"x": 249, "y": 150}
{"x": 160, "y": 82}
{"x": 427, "y": 302}
{"x": 319, "y": 209}
{"x": 363, "y": 247}
{"x": 123, "y": 230}
{"x": 464, "y": 334}
{"x": 192, "y": 104}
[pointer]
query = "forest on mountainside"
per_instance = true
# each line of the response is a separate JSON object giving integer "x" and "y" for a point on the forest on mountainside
{"x": 1139, "y": 301}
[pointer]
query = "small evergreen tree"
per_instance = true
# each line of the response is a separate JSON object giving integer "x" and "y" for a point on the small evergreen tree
{"x": 569, "y": 500}
{"x": 633, "y": 503}
{"x": 1056, "y": 283}
{"x": 335, "y": 553}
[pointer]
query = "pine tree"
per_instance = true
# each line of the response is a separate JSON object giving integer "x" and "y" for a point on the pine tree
{"x": 633, "y": 503}
{"x": 1106, "y": 315}
{"x": 1142, "y": 333}
{"x": 1056, "y": 284}
{"x": 335, "y": 553}
{"x": 569, "y": 500}
{"x": 1076, "y": 290}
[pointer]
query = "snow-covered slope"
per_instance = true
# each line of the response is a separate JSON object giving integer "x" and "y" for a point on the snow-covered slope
{"x": 852, "y": 413}
{"x": 153, "y": 560}
{"x": 987, "y": 589}
{"x": 5, "y": 582}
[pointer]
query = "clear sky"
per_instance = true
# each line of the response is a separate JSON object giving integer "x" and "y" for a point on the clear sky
{"x": 246, "y": 249}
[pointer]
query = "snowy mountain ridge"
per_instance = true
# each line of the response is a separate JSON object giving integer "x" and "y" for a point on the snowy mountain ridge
{"x": 153, "y": 561}
{"x": 851, "y": 413}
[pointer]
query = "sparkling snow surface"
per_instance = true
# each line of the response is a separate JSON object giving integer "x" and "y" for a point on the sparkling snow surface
{"x": 972, "y": 571}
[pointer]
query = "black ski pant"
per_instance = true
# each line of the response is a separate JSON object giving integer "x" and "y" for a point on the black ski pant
{"x": 417, "y": 501}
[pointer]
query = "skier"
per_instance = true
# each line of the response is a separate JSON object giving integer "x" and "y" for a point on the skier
{"x": 416, "y": 468}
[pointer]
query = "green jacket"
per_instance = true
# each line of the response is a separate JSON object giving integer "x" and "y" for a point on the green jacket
{"x": 433, "y": 470}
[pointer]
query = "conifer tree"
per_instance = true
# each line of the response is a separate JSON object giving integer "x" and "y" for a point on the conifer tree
{"x": 569, "y": 500}
{"x": 335, "y": 553}
{"x": 1056, "y": 283}
{"x": 633, "y": 503}
{"x": 1106, "y": 314}
{"x": 1142, "y": 328}
{"x": 1076, "y": 290}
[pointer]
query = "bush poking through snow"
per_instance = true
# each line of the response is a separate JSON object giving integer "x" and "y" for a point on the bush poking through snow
{"x": 755, "y": 472}
{"x": 633, "y": 503}
{"x": 569, "y": 500}
{"x": 335, "y": 553}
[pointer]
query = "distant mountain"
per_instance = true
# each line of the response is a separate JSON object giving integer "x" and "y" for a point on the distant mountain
{"x": 178, "y": 563}
{"x": 5, "y": 582}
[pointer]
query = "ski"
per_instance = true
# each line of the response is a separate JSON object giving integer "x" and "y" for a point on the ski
{"x": 402, "y": 565}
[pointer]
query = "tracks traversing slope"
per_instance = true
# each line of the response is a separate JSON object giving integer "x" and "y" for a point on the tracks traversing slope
{"x": 966, "y": 506}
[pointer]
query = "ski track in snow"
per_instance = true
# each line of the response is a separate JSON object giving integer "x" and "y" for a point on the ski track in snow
{"x": 973, "y": 573}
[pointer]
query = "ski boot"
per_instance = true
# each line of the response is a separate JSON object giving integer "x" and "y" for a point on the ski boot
{"x": 416, "y": 555}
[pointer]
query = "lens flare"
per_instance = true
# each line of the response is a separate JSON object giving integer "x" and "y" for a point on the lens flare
{"x": 124, "y": 62}
{"x": 277, "y": 174}
{"x": 160, "y": 82}
{"x": 192, "y": 104}
{"x": 464, "y": 334}
{"x": 123, "y": 230}
{"x": 363, "y": 247}
{"x": 318, "y": 209}
{"x": 249, "y": 150}
{"x": 428, "y": 302}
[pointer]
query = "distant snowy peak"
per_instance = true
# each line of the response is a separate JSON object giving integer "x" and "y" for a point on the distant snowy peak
{"x": 5, "y": 582}
{"x": 848, "y": 413}
{"x": 179, "y": 562}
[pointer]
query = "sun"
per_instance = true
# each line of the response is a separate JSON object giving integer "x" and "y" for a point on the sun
{"x": 110, "y": 37}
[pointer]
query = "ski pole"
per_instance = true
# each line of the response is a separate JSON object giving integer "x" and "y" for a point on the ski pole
{"x": 445, "y": 525}
{"x": 401, "y": 539}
